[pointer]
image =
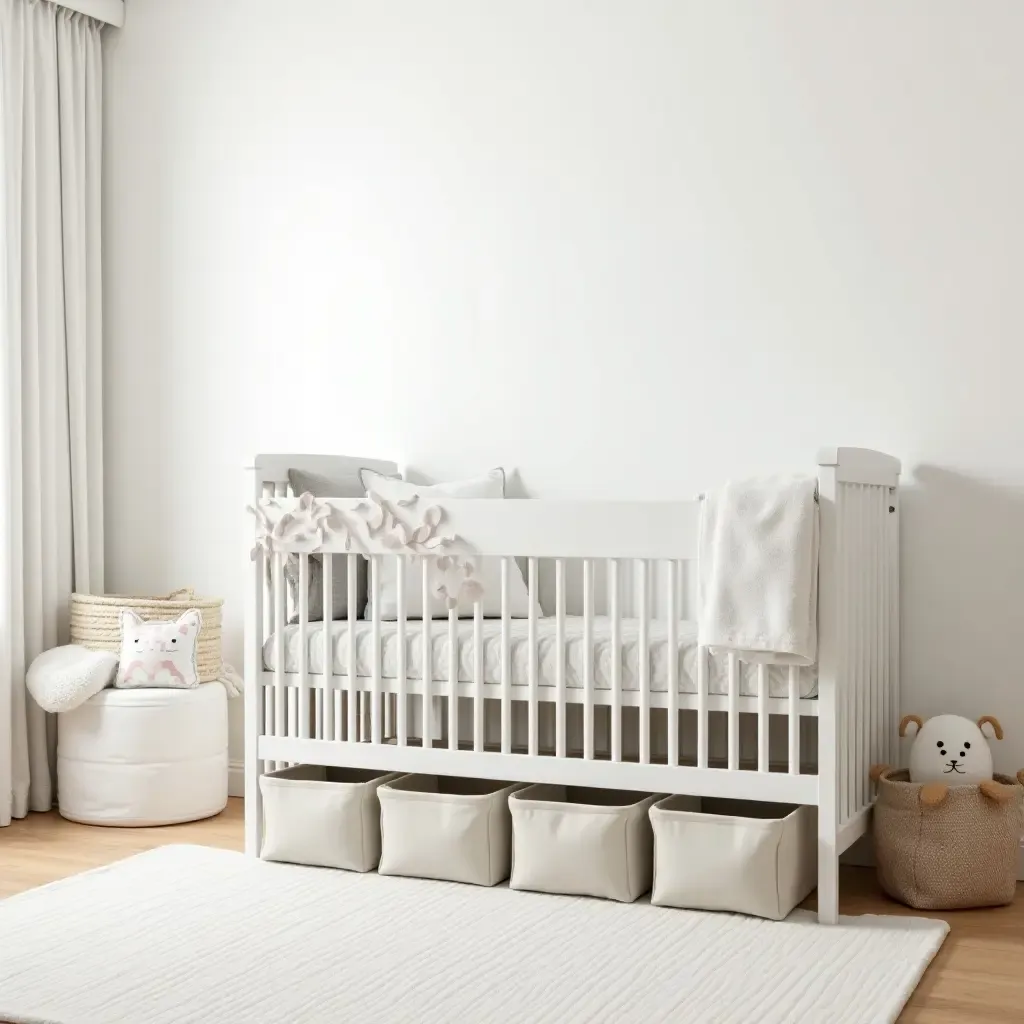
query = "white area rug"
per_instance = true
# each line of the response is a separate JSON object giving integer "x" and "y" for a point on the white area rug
{"x": 186, "y": 934}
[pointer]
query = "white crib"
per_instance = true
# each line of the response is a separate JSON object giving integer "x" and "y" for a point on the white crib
{"x": 623, "y": 699}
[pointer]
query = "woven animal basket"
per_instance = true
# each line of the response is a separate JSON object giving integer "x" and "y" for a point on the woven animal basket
{"x": 956, "y": 853}
{"x": 96, "y": 623}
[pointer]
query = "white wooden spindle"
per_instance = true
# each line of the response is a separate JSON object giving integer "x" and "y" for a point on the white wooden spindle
{"x": 672, "y": 611}
{"x": 889, "y": 752}
{"x": 703, "y": 668}
{"x": 533, "y": 712}
{"x": 268, "y": 722}
{"x": 857, "y": 767}
{"x": 375, "y": 709}
{"x": 845, "y": 679}
{"x": 863, "y": 767}
{"x": 402, "y": 681}
{"x": 644, "y": 663}
{"x": 614, "y": 612}
{"x": 794, "y": 720}
{"x": 330, "y": 725}
{"x": 560, "y": 657}
{"x": 893, "y": 622}
{"x": 478, "y": 676}
{"x": 878, "y": 637}
{"x": 427, "y": 658}
{"x": 506, "y": 682}
{"x": 763, "y": 719}
{"x": 280, "y": 712}
{"x": 588, "y": 659}
{"x": 453, "y": 679}
{"x": 353, "y": 719}
{"x": 853, "y": 679}
{"x": 302, "y": 697}
{"x": 734, "y": 712}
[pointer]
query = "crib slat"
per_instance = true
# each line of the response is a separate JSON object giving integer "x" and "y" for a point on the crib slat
{"x": 702, "y": 706}
{"x": 763, "y": 719}
{"x": 427, "y": 659}
{"x": 616, "y": 643}
{"x": 375, "y": 723}
{"x": 453, "y": 679}
{"x": 644, "y": 665}
{"x": 534, "y": 711}
{"x": 327, "y": 726}
{"x": 268, "y": 722}
{"x": 859, "y": 665}
{"x": 877, "y": 604}
{"x": 794, "y": 720}
{"x": 588, "y": 659}
{"x": 734, "y": 712}
{"x": 888, "y": 751}
{"x": 280, "y": 711}
{"x": 350, "y": 568}
{"x": 672, "y": 611}
{"x": 846, "y": 680}
{"x": 302, "y": 697}
{"x": 402, "y": 669}
{"x": 560, "y": 657}
{"x": 506, "y": 684}
{"x": 281, "y": 701}
{"x": 478, "y": 675}
{"x": 853, "y": 654}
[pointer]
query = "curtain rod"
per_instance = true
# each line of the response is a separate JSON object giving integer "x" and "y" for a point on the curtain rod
{"x": 109, "y": 11}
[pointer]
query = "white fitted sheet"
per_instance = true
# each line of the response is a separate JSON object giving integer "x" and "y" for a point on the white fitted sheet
{"x": 718, "y": 676}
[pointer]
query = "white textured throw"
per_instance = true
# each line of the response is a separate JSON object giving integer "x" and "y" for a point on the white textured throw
{"x": 759, "y": 570}
{"x": 64, "y": 677}
{"x": 186, "y": 935}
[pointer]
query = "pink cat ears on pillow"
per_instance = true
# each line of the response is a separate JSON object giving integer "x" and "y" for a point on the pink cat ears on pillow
{"x": 159, "y": 653}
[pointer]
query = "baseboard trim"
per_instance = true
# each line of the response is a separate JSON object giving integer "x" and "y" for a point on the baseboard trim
{"x": 236, "y": 778}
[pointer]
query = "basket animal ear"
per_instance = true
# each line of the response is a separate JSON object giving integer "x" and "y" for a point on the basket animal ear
{"x": 997, "y": 729}
{"x": 933, "y": 793}
{"x": 1020, "y": 776}
{"x": 996, "y": 792}
{"x": 910, "y": 720}
{"x": 877, "y": 771}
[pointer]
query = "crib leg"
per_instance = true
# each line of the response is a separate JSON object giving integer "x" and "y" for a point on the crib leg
{"x": 828, "y": 878}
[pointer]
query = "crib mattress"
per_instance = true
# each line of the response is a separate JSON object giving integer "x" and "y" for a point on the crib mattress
{"x": 547, "y": 655}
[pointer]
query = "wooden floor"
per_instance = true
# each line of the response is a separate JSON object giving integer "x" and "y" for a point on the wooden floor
{"x": 978, "y": 976}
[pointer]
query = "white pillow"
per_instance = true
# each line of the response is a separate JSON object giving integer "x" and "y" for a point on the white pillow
{"x": 488, "y": 572}
{"x": 159, "y": 653}
{"x": 63, "y": 678}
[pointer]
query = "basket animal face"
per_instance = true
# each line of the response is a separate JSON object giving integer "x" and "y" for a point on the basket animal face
{"x": 950, "y": 749}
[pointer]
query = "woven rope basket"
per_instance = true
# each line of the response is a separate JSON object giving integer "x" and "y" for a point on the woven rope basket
{"x": 96, "y": 623}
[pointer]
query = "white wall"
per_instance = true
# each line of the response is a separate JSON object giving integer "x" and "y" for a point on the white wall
{"x": 627, "y": 248}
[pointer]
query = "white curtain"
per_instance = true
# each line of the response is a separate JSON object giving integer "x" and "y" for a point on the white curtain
{"x": 51, "y": 474}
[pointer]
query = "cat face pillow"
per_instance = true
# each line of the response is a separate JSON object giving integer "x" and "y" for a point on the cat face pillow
{"x": 158, "y": 653}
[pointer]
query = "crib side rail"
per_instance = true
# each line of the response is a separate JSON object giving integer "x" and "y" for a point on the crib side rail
{"x": 538, "y": 528}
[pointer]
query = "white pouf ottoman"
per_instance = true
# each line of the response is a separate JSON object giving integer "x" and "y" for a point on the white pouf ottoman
{"x": 144, "y": 757}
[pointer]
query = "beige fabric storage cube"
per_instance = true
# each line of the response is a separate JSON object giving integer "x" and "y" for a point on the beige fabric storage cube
{"x": 328, "y": 817}
{"x": 581, "y": 842}
{"x": 752, "y": 858}
{"x": 454, "y": 829}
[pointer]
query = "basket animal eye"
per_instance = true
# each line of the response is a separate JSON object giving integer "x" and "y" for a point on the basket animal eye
{"x": 967, "y": 746}
{"x": 940, "y": 744}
